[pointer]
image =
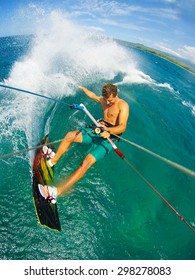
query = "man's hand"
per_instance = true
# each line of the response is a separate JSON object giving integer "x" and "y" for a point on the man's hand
{"x": 105, "y": 134}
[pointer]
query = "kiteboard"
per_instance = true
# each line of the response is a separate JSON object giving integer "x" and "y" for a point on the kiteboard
{"x": 47, "y": 212}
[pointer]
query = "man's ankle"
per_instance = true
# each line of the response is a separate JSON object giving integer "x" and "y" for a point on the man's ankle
{"x": 50, "y": 163}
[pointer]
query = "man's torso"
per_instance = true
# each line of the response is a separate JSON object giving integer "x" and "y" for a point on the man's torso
{"x": 111, "y": 113}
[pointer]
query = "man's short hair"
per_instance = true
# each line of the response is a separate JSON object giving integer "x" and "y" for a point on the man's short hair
{"x": 109, "y": 89}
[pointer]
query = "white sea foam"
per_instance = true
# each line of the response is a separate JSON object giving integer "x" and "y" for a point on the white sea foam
{"x": 135, "y": 76}
{"x": 165, "y": 85}
{"x": 190, "y": 106}
{"x": 64, "y": 55}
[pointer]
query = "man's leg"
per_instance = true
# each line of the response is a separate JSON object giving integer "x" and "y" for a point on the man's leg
{"x": 76, "y": 175}
{"x": 73, "y": 136}
{"x": 72, "y": 179}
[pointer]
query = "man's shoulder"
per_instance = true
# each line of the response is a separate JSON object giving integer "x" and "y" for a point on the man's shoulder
{"x": 123, "y": 103}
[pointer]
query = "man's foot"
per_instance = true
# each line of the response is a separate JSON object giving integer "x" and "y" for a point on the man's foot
{"x": 48, "y": 152}
{"x": 49, "y": 155}
{"x": 48, "y": 192}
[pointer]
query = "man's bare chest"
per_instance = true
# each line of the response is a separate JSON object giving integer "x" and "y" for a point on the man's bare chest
{"x": 111, "y": 114}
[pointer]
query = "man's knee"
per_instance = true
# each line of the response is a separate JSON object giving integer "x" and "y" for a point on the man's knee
{"x": 87, "y": 162}
{"x": 73, "y": 136}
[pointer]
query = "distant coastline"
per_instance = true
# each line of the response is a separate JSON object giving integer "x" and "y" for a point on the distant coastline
{"x": 158, "y": 53}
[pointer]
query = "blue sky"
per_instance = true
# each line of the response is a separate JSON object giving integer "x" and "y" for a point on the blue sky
{"x": 167, "y": 25}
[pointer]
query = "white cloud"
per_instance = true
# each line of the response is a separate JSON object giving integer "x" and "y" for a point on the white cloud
{"x": 168, "y": 50}
{"x": 186, "y": 52}
{"x": 125, "y": 25}
{"x": 95, "y": 29}
{"x": 109, "y": 9}
{"x": 120, "y": 24}
{"x": 168, "y": 13}
{"x": 102, "y": 7}
{"x": 170, "y": 1}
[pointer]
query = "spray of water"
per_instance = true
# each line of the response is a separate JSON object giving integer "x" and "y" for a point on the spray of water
{"x": 63, "y": 55}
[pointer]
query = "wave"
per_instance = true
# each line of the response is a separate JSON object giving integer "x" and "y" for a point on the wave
{"x": 182, "y": 99}
{"x": 64, "y": 55}
{"x": 135, "y": 76}
{"x": 190, "y": 106}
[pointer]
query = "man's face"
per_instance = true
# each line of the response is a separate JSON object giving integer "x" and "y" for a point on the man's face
{"x": 110, "y": 100}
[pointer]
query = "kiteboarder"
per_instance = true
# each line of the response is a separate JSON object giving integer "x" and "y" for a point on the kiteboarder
{"x": 115, "y": 117}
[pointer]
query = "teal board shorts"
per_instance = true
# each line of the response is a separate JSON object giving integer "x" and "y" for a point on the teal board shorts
{"x": 100, "y": 147}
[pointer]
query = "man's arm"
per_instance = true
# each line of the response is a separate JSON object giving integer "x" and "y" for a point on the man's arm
{"x": 91, "y": 94}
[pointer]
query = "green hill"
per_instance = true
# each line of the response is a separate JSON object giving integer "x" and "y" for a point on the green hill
{"x": 158, "y": 53}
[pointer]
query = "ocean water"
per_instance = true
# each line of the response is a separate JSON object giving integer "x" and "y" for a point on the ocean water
{"x": 111, "y": 213}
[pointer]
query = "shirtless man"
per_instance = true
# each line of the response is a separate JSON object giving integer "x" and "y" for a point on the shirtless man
{"x": 116, "y": 113}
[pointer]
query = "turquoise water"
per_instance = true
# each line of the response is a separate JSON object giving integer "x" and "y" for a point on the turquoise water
{"x": 111, "y": 213}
